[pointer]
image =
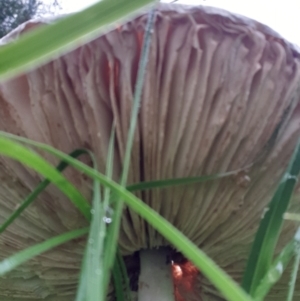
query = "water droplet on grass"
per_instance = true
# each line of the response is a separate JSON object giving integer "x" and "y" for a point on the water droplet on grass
{"x": 264, "y": 212}
{"x": 290, "y": 177}
{"x": 108, "y": 215}
{"x": 275, "y": 274}
{"x": 279, "y": 267}
{"x": 107, "y": 220}
{"x": 297, "y": 235}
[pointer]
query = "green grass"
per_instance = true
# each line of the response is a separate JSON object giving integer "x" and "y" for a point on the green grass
{"x": 261, "y": 256}
{"x": 101, "y": 256}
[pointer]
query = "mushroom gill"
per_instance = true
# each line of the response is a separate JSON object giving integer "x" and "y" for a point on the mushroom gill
{"x": 221, "y": 93}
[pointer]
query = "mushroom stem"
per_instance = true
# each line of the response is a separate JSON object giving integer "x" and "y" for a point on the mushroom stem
{"x": 155, "y": 281}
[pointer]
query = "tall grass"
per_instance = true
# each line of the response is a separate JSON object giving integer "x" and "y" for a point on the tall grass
{"x": 101, "y": 256}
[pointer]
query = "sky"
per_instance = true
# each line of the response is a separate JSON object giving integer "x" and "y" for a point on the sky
{"x": 282, "y": 16}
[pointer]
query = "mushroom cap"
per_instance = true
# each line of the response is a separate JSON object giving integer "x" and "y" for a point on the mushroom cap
{"x": 221, "y": 93}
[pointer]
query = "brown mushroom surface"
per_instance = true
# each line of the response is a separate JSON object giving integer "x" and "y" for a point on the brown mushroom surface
{"x": 221, "y": 93}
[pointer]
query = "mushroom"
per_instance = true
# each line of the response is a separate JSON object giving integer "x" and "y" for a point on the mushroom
{"x": 221, "y": 93}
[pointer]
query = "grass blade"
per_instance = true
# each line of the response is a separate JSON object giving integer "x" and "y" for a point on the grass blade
{"x": 121, "y": 279}
{"x": 180, "y": 181}
{"x": 94, "y": 271}
{"x": 113, "y": 230}
{"x": 267, "y": 235}
{"x": 93, "y": 260}
{"x": 216, "y": 275}
{"x": 133, "y": 187}
{"x": 292, "y": 283}
{"x": 14, "y": 261}
{"x": 97, "y": 271}
{"x": 118, "y": 281}
{"x": 33, "y": 195}
{"x": 275, "y": 271}
{"x": 28, "y": 157}
{"x": 82, "y": 286}
{"x": 47, "y": 42}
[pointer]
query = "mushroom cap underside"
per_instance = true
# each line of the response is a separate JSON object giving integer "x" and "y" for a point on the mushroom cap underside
{"x": 221, "y": 93}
